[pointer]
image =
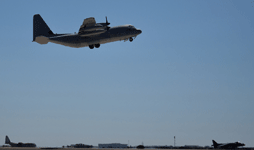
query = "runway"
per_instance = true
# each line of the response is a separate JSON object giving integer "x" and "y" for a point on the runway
{"x": 59, "y": 148}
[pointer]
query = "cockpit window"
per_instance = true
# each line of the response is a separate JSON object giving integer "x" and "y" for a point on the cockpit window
{"x": 130, "y": 28}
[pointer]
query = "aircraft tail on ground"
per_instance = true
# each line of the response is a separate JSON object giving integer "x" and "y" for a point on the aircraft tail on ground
{"x": 40, "y": 28}
{"x": 215, "y": 144}
{"x": 7, "y": 140}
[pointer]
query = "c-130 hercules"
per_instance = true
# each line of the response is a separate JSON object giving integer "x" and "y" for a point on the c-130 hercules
{"x": 20, "y": 144}
{"x": 227, "y": 145}
{"x": 90, "y": 34}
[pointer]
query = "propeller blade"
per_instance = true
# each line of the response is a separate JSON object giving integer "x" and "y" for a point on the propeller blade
{"x": 107, "y": 21}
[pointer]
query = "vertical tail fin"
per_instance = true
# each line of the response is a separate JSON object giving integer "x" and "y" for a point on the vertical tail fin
{"x": 7, "y": 140}
{"x": 40, "y": 28}
{"x": 215, "y": 144}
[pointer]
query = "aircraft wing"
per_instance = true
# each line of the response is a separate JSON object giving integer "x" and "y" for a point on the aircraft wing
{"x": 88, "y": 22}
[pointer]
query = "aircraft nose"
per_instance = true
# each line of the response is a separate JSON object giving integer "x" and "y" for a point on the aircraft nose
{"x": 139, "y": 31}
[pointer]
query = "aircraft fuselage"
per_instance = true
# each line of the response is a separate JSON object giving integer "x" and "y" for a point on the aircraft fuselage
{"x": 79, "y": 40}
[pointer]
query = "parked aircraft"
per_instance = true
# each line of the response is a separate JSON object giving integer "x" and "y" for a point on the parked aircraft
{"x": 227, "y": 145}
{"x": 20, "y": 144}
{"x": 90, "y": 34}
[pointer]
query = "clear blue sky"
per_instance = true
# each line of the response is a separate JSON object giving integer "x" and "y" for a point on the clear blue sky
{"x": 190, "y": 74}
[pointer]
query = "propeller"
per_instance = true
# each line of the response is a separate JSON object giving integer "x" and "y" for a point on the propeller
{"x": 107, "y": 21}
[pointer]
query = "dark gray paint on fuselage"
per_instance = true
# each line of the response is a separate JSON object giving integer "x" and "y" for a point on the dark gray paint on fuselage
{"x": 113, "y": 34}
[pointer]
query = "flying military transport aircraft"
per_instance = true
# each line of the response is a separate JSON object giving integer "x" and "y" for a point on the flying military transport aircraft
{"x": 90, "y": 34}
{"x": 20, "y": 144}
{"x": 227, "y": 145}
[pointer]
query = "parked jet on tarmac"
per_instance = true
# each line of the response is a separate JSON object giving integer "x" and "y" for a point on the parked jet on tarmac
{"x": 90, "y": 34}
{"x": 20, "y": 144}
{"x": 227, "y": 145}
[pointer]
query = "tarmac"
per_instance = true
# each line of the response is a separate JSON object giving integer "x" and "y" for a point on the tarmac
{"x": 59, "y": 148}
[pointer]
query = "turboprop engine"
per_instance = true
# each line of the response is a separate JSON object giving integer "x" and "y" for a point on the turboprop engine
{"x": 98, "y": 26}
{"x": 92, "y": 28}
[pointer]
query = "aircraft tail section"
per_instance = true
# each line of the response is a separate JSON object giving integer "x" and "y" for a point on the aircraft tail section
{"x": 40, "y": 28}
{"x": 215, "y": 144}
{"x": 7, "y": 140}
